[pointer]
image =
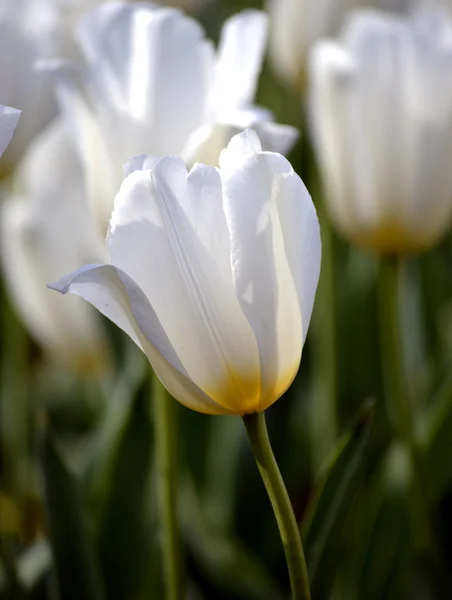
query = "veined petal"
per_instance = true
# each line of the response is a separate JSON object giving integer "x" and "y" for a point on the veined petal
{"x": 121, "y": 300}
{"x": 150, "y": 69}
{"x": 239, "y": 61}
{"x": 168, "y": 232}
{"x": 8, "y": 121}
{"x": 301, "y": 232}
{"x": 261, "y": 194}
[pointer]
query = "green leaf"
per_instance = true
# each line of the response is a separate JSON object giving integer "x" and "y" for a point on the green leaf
{"x": 328, "y": 511}
{"x": 225, "y": 561}
{"x": 100, "y": 450}
{"x": 74, "y": 558}
{"x": 387, "y": 550}
{"x": 435, "y": 438}
{"x": 124, "y": 532}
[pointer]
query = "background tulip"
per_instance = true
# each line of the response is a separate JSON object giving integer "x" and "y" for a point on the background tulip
{"x": 296, "y": 24}
{"x": 25, "y": 28}
{"x": 387, "y": 172}
{"x": 45, "y": 229}
{"x": 152, "y": 84}
{"x": 213, "y": 274}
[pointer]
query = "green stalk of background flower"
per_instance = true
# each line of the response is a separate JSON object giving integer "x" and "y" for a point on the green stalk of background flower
{"x": 324, "y": 406}
{"x": 280, "y": 501}
{"x": 165, "y": 424}
{"x": 400, "y": 411}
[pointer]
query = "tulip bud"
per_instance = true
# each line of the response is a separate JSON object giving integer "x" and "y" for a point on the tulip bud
{"x": 213, "y": 274}
{"x": 152, "y": 83}
{"x": 381, "y": 110}
{"x": 44, "y": 230}
{"x": 295, "y": 25}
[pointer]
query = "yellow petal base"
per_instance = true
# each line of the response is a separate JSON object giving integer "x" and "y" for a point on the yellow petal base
{"x": 243, "y": 395}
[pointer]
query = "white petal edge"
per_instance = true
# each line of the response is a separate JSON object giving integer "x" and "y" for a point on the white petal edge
{"x": 239, "y": 61}
{"x": 240, "y": 147}
{"x": 265, "y": 283}
{"x": 117, "y": 297}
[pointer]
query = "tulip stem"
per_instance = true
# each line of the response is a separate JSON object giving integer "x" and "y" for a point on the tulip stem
{"x": 399, "y": 409}
{"x": 166, "y": 456}
{"x": 279, "y": 498}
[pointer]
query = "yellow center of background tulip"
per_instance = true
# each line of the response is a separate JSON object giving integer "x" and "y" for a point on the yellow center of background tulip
{"x": 393, "y": 238}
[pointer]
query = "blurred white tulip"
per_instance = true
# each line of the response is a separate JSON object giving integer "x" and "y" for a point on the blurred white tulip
{"x": 381, "y": 109}
{"x": 8, "y": 121}
{"x": 213, "y": 274}
{"x": 154, "y": 85}
{"x": 31, "y": 31}
{"x": 296, "y": 24}
{"x": 25, "y": 27}
{"x": 46, "y": 231}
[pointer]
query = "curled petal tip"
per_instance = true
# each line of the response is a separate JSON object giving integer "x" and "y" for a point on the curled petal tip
{"x": 59, "y": 286}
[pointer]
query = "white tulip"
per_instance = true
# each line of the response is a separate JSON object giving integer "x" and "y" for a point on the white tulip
{"x": 25, "y": 27}
{"x": 152, "y": 84}
{"x": 381, "y": 108}
{"x": 8, "y": 121}
{"x": 296, "y": 24}
{"x": 213, "y": 274}
{"x": 46, "y": 231}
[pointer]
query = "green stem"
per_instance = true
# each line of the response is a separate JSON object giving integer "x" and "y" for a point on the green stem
{"x": 166, "y": 456}
{"x": 399, "y": 409}
{"x": 324, "y": 406}
{"x": 323, "y": 335}
{"x": 276, "y": 490}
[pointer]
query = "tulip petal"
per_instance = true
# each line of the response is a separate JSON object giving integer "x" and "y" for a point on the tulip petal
{"x": 149, "y": 73}
{"x": 239, "y": 61}
{"x": 44, "y": 233}
{"x": 101, "y": 178}
{"x": 275, "y": 137}
{"x": 271, "y": 257}
{"x": 207, "y": 142}
{"x": 141, "y": 162}
{"x": 168, "y": 232}
{"x": 119, "y": 298}
{"x": 335, "y": 126}
{"x": 8, "y": 121}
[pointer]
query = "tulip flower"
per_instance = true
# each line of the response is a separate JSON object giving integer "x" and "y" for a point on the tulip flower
{"x": 297, "y": 24}
{"x": 152, "y": 84}
{"x": 213, "y": 274}
{"x": 8, "y": 121}
{"x": 44, "y": 230}
{"x": 24, "y": 38}
{"x": 381, "y": 108}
